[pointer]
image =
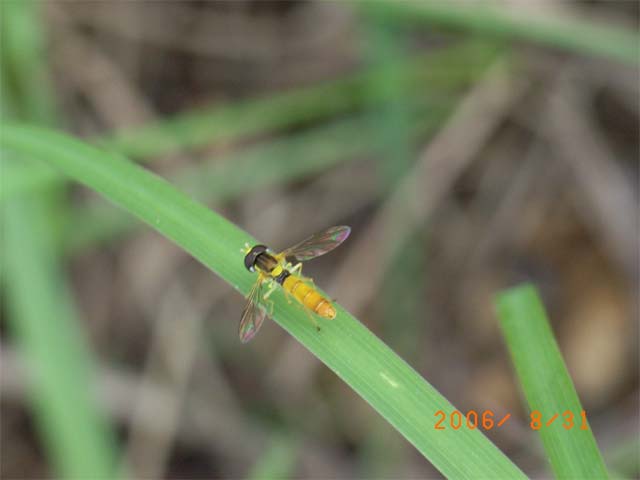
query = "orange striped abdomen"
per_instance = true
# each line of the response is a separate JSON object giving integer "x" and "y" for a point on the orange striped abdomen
{"x": 308, "y": 296}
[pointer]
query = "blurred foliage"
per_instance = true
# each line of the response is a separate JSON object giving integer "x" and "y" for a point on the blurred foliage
{"x": 309, "y": 112}
{"x": 42, "y": 314}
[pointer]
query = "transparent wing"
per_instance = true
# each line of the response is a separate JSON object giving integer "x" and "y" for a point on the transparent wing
{"x": 317, "y": 244}
{"x": 252, "y": 315}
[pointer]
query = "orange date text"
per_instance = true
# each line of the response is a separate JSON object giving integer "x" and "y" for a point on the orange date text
{"x": 487, "y": 420}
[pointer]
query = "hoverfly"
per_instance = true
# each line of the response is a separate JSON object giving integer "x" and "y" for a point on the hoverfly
{"x": 278, "y": 269}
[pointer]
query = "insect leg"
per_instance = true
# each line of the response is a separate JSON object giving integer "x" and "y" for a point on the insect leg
{"x": 287, "y": 295}
{"x": 296, "y": 269}
{"x": 311, "y": 317}
{"x": 272, "y": 288}
{"x": 313, "y": 320}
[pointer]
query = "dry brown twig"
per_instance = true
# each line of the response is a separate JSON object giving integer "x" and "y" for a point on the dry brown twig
{"x": 608, "y": 203}
{"x": 91, "y": 72}
{"x": 170, "y": 359}
{"x": 417, "y": 196}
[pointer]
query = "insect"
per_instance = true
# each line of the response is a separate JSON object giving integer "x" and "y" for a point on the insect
{"x": 278, "y": 269}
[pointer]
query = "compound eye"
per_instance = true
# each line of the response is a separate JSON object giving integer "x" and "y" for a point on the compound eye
{"x": 250, "y": 258}
{"x": 248, "y": 265}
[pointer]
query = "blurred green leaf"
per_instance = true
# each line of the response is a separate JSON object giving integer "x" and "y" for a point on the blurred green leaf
{"x": 284, "y": 160}
{"x": 573, "y": 453}
{"x": 393, "y": 118}
{"x": 42, "y": 319}
{"x": 486, "y": 19}
{"x": 26, "y": 85}
{"x": 439, "y": 72}
{"x": 44, "y": 324}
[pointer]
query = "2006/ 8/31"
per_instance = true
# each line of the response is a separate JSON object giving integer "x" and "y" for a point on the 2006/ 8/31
{"x": 488, "y": 422}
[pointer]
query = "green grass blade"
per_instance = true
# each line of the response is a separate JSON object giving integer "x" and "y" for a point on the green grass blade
{"x": 393, "y": 119}
{"x": 42, "y": 320}
{"x": 43, "y": 323}
{"x": 438, "y": 72}
{"x": 572, "y": 35}
{"x": 280, "y": 161}
{"x": 364, "y": 362}
{"x": 293, "y": 158}
{"x": 22, "y": 57}
{"x": 573, "y": 453}
{"x": 349, "y": 93}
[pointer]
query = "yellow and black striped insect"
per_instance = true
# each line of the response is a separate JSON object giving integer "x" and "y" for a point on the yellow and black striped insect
{"x": 278, "y": 269}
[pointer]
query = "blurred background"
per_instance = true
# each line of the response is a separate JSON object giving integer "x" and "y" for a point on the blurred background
{"x": 471, "y": 146}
